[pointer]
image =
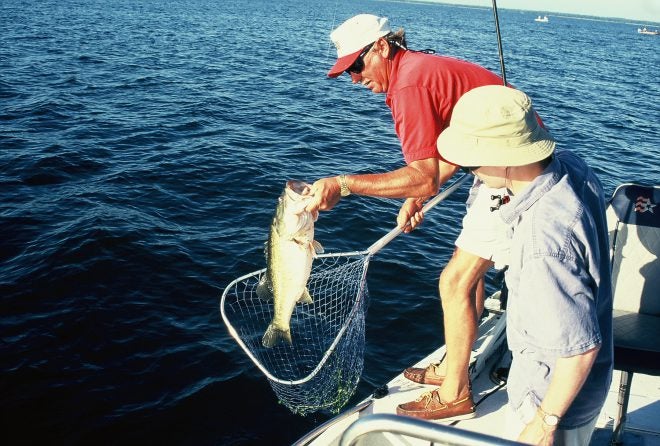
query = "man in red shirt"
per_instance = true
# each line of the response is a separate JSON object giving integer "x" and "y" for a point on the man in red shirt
{"x": 421, "y": 91}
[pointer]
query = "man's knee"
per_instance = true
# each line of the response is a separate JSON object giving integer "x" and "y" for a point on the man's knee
{"x": 462, "y": 273}
{"x": 449, "y": 279}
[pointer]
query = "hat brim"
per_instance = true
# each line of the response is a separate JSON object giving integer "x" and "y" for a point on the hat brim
{"x": 460, "y": 149}
{"x": 343, "y": 63}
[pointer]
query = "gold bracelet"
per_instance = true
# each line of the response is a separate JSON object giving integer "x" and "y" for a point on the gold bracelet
{"x": 345, "y": 191}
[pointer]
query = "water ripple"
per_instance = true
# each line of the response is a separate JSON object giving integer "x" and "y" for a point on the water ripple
{"x": 144, "y": 147}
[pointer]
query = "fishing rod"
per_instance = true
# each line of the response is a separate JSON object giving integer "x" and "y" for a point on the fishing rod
{"x": 499, "y": 41}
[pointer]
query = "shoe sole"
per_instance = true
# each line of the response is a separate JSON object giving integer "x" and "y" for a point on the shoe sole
{"x": 431, "y": 382}
{"x": 426, "y": 383}
{"x": 466, "y": 416}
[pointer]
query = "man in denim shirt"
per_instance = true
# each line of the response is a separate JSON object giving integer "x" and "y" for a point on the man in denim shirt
{"x": 559, "y": 314}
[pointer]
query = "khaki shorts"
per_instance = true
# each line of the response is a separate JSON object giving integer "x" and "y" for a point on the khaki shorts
{"x": 484, "y": 234}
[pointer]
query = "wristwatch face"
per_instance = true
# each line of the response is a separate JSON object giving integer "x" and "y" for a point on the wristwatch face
{"x": 551, "y": 420}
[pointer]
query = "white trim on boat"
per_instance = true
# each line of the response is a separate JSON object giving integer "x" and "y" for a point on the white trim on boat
{"x": 489, "y": 355}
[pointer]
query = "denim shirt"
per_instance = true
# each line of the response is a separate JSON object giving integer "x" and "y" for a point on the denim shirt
{"x": 560, "y": 297}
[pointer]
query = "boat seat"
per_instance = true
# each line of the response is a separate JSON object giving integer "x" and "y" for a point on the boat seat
{"x": 633, "y": 218}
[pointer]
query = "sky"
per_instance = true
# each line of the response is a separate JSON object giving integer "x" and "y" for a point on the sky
{"x": 639, "y": 11}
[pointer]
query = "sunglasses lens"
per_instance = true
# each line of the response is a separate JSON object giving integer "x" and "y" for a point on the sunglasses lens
{"x": 358, "y": 65}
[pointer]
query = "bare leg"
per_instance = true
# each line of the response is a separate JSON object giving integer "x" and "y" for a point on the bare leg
{"x": 462, "y": 293}
{"x": 480, "y": 297}
{"x": 478, "y": 301}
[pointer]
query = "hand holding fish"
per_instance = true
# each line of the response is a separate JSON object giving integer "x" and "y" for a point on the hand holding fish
{"x": 326, "y": 194}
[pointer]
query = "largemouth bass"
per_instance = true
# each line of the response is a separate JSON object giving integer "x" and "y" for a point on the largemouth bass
{"x": 290, "y": 250}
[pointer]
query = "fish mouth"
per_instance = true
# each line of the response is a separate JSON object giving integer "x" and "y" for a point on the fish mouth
{"x": 296, "y": 188}
{"x": 298, "y": 192}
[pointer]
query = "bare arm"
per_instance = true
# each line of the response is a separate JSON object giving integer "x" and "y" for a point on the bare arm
{"x": 418, "y": 179}
{"x": 445, "y": 172}
{"x": 567, "y": 380}
{"x": 411, "y": 210}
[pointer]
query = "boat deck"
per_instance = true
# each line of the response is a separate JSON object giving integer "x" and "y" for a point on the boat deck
{"x": 642, "y": 426}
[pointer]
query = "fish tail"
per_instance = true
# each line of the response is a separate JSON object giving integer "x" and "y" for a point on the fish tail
{"x": 274, "y": 335}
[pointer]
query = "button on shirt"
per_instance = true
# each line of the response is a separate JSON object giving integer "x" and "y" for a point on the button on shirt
{"x": 560, "y": 298}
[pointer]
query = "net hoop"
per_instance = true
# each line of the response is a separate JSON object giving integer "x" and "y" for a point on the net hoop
{"x": 257, "y": 274}
{"x": 321, "y": 367}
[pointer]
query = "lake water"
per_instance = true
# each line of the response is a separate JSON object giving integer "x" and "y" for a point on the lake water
{"x": 143, "y": 147}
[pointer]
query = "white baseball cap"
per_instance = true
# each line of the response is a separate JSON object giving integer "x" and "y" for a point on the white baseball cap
{"x": 494, "y": 125}
{"x": 352, "y": 36}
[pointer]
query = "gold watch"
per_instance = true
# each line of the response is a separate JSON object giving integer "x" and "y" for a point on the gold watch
{"x": 345, "y": 191}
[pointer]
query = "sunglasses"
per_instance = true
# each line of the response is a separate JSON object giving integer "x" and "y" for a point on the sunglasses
{"x": 358, "y": 65}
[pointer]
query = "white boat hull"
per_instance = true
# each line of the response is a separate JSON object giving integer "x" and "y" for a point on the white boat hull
{"x": 490, "y": 353}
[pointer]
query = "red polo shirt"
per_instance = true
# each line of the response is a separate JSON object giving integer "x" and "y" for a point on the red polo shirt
{"x": 422, "y": 92}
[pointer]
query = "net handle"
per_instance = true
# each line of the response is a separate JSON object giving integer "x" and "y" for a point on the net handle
{"x": 379, "y": 244}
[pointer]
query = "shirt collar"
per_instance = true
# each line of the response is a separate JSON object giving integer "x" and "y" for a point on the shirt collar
{"x": 532, "y": 193}
{"x": 394, "y": 72}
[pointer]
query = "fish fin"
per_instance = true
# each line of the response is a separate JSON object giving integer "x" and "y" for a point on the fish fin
{"x": 263, "y": 288}
{"x": 318, "y": 248}
{"x": 305, "y": 297}
{"x": 301, "y": 240}
{"x": 274, "y": 335}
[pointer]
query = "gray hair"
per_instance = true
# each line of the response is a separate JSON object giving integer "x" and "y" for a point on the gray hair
{"x": 397, "y": 40}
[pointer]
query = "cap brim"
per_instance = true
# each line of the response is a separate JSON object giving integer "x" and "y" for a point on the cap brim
{"x": 343, "y": 63}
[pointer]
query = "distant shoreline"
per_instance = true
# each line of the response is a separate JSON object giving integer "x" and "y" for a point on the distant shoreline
{"x": 629, "y": 21}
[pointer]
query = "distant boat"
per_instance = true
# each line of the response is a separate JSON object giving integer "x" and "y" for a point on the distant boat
{"x": 543, "y": 19}
{"x": 648, "y": 31}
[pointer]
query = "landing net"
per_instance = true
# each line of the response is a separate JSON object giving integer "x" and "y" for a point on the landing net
{"x": 320, "y": 370}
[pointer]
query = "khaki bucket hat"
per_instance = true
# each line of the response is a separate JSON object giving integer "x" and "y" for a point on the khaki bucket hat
{"x": 494, "y": 125}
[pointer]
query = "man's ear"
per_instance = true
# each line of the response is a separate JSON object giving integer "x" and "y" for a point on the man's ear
{"x": 383, "y": 48}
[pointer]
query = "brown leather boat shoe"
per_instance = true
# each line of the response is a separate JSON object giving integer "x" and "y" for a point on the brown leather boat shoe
{"x": 429, "y": 407}
{"x": 429, "y": 375}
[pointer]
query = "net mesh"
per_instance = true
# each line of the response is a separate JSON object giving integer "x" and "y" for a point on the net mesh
{"x": 320, "y": 370}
